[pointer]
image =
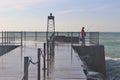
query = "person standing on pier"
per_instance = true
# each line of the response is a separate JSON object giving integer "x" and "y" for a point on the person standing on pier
{"x": 83, "y": 34}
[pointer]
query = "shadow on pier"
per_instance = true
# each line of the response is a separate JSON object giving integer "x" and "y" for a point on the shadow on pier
{"x": 6, "y": 48}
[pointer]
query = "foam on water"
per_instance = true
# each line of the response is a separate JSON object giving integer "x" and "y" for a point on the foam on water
{"x": 110, "y": 58}
{"x": 113, "y": 68}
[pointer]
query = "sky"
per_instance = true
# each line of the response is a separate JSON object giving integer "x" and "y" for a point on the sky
{"x": 70, "y": 15}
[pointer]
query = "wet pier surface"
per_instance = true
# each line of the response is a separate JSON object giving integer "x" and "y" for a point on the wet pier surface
{"x": 65, "y": 65}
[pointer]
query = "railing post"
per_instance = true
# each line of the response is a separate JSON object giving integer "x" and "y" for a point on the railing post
{"x": 2, "y": 38}
{"x": 5, "y": 37}
{"x": 26, "y": 64}
{"x": 21, "y": 39}
{"x": 44, "y": 62}
{"x": 71, "y": 37}
{"x": 47, "y": 59}
{"x": 39, "y": 53}
{"x": 35, "y": 36}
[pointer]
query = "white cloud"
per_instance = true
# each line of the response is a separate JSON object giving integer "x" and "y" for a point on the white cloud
{"x": 67, "y": 11}
{"x": 8, "y": 5}
{"x": 102, "y": 8}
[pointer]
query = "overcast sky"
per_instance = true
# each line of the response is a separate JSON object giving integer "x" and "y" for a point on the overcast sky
{"x": 70, "y": 15}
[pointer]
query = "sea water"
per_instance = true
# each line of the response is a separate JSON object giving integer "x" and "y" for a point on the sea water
{"x": 111, "y": 42}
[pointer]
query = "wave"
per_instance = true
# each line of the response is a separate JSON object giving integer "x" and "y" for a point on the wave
{"x": 113, "y": 68}
{"x": 110, "y": 58}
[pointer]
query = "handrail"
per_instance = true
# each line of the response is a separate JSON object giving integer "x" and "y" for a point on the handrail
{"x": 13, "y": 38}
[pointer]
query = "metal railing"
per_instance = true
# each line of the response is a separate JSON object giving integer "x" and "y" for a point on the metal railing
{"x": 94, "y": 38}
{"x": 11, "y": 38}
{"x": 19, "y": 38}
{"x": 91, "y": 37}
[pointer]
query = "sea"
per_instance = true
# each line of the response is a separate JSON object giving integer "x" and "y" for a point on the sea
{"x": 110, "y": 40}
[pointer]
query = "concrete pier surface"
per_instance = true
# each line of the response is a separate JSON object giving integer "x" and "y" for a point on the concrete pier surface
{"x": 94, "y": 57}
{"x": 12, "y": 63}
{"x": 65, "y": 65}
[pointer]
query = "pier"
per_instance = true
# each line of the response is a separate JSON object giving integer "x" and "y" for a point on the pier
{"x": 65, "y": 65}
{"x": 66, "y": 62}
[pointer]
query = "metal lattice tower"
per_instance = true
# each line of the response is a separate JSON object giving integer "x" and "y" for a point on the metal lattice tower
{"x": 50, "y": 26}
{"x": 50, "y": 41}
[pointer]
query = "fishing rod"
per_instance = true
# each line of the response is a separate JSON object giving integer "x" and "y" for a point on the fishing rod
{"x": 88, "y": 29}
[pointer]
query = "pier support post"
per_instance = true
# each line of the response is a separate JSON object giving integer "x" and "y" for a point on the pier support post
{"x": 39, "y": 54}
{"x": 26, "y": 64}
{"x": 44, "y": 60}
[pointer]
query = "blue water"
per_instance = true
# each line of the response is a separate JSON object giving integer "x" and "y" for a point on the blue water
{"x": 111, "y": 41}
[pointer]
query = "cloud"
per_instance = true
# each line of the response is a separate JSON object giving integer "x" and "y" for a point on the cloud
{"x": 68, "y": 11}
{"x": 8, "y": 5}
{"x": 102, "y": 8}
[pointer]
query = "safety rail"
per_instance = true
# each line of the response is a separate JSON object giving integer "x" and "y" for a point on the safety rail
{"x": 91, "y": 37}
{"x": 11, "y": 38}
{"x": 94, "y": 38}
{"x": 19, "y": 38}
